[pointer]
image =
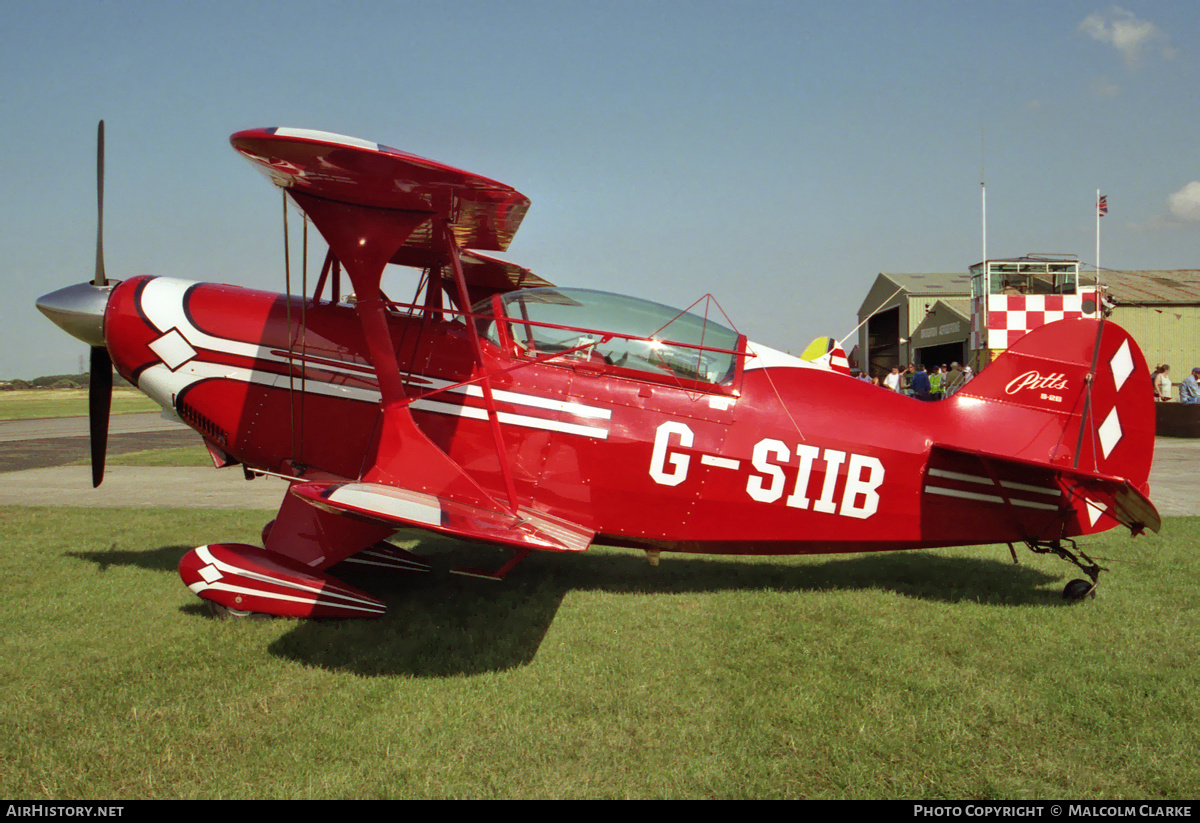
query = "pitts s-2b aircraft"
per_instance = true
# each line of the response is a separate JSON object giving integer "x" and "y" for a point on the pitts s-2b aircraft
{"x": 499, "y": 408}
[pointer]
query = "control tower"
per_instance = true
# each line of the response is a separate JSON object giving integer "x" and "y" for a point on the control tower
{"x": 1011, "y": 297}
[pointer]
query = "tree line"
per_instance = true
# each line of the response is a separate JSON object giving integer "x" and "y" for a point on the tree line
{"x": 57, "y": 381}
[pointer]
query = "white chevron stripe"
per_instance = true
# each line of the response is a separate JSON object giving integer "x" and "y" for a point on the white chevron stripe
{"x": 162, "y": 302}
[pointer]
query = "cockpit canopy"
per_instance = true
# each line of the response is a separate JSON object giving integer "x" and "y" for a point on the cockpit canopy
{"x": 616, "y": 331}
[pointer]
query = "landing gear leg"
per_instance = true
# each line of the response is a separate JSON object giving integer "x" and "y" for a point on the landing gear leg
{"x": 1077, "y": 589}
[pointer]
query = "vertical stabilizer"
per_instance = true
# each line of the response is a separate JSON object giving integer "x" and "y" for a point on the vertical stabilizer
{"x": 1082, "y": 388}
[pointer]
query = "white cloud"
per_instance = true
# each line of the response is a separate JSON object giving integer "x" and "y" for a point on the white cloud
{"x": 1127, "y": 34}
{"x": 1185, "y": 203}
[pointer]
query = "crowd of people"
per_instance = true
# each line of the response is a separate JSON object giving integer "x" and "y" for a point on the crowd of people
{"x": 943, "y": 381}
{"x": 915, "y": 381}
{"x": 1189, "y": 389}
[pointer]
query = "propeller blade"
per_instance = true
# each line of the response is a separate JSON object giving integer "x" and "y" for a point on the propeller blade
{"x": 99, "y": 403}
{"x": 100, "y": 278}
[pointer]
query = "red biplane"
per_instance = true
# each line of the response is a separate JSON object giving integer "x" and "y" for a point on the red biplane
{"x": 497, "y": 407}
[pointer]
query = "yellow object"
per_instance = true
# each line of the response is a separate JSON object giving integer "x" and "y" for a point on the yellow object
{"x": 818, "y": 348}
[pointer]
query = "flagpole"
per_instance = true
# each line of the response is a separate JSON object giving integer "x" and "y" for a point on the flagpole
{"x": 983, "y": 196}
{"x": 1097, "y": 243}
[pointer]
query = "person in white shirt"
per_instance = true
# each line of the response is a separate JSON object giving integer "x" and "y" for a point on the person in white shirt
{"x": 892, "y": 381}
{"x": 1162, "y": 383}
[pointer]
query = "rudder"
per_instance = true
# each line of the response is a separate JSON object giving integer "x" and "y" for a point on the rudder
{"x": 1083, "y": 389}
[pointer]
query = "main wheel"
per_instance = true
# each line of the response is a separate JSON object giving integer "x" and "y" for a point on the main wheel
{"x": 225, "y": 613}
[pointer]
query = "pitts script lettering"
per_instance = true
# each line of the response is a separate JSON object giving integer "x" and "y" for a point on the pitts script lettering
{"x": 852, "y": 492}
{"x": 1034, "y": 381}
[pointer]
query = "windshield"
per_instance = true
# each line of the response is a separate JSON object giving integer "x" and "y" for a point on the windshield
{"x": 641, "y": 335}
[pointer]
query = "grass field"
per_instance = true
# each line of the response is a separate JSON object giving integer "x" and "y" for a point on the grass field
{"x": 187, "y": 456}
{"x": 939, "y": 674}
{"x": 34, "y": 403}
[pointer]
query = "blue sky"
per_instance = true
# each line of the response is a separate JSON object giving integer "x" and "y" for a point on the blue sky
{"x": 777, "y": 155}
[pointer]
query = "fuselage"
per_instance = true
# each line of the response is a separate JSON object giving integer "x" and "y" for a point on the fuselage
{"x": 778, "y": 457}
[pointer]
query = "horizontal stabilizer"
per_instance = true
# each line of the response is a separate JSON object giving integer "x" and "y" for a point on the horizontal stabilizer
{"x": 395, "y": 506}
{"x": 965, "y": 488}
{"x": 1128, "y": 505}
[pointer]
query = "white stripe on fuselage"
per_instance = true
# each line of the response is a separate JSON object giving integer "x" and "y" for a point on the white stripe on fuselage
{"x": 162, "y": 302}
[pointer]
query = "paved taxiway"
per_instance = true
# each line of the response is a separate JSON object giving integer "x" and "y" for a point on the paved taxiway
{"x": 32, "y": 453}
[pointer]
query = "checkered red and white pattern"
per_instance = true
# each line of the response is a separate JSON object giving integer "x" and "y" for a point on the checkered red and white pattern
{"x": 1010, "y": 316}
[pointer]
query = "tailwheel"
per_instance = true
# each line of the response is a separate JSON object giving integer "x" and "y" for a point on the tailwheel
{"x": 1077, "y": 589}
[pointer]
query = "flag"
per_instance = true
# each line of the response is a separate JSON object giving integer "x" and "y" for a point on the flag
{"x": 1102, "y": 205}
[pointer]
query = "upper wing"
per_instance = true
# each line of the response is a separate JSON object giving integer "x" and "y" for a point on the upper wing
{"x": 483, "y": 213}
